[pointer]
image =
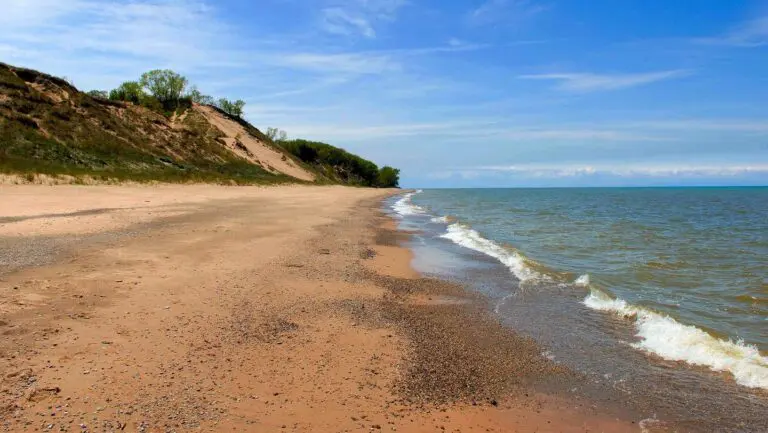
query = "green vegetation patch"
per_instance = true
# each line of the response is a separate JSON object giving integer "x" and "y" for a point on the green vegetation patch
{"x": 134, "y": 132}
{"x": 337, "y": 163}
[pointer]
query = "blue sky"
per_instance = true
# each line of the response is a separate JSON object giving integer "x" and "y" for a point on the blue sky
{"x": 455, "y": 93}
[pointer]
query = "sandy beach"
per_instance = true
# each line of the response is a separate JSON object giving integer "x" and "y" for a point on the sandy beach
{"x": 209, "y": 308}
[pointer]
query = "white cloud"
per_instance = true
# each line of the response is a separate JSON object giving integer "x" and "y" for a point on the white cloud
{"x": 48, "y": 34}
{"x": 25, "y": 13}
{"x": 358, "y": 17}
{"x": 624, "y": 170}
{"x": 101, "y": 42}
{"x": 501, "y": 130}
{"x": 347, "y": 63}
{"x": 577, "y": 135}
{"x": 350, "y": 131}
{"x": 340, "y": 22}
{"x": 383, "y": 9}
{"x": 587, "y": 82}
{"x": 472, "y": 129}
{"x": 495, "y": 10}
{"x": 753, "y": 33}
{"x": 755, "y": 126}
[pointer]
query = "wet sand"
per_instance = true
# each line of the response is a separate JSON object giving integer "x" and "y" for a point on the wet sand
{"x": 207, "y": 308}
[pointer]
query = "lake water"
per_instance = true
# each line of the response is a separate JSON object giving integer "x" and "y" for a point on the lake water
{"x": 658, "y": 294}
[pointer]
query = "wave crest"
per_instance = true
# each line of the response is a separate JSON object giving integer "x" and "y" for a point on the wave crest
{"x": 664, "y": 336}
{"x": 405, "y": 207}
{"x": 442, "y": 220}
{"x": 469, "y": 238}
{"x": 582, "y": 281}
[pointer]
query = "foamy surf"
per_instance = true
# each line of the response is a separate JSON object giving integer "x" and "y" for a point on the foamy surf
{"x": 468, "y": 238}
{"x": 582, "y": 281}
{"x": 674, "y": 341}
{"x": 405, "y": 207}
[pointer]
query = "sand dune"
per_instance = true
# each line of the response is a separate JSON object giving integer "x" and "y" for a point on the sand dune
{"x": 249, "y": 147}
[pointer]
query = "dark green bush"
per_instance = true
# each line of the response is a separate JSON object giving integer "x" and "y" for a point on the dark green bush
{"x": 388, "y": 177}
{"x": 129, "y": 91}
{"x": 347, "y": 167}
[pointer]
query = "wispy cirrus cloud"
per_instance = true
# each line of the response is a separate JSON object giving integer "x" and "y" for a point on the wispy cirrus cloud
{"x": 483, "y": 128}
{"x": 340, "y": 22}
{"x": 588, "y": 82}
{"x": 358, "y": 17}
{"x": 753, "y": 33}
{"x": 651, "y": 134}
{"x": 25, "y": 13}
{"x": 365, "y": 62}
{"x": 382, "y": 9}
{"x": 181, "y": 32}
{"x": 495, "y": 10}
{"x": 747, "y": 126}
{"x": 624, "y": 170}
{"x": 344, "y": 63}
{"x": 99, "y": 43}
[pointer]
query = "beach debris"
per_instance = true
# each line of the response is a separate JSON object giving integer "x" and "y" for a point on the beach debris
{"x": 35, "y": 394}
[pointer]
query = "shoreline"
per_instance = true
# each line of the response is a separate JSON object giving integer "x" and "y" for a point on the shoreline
{"x": 481, "y": 250}
{"x": 464, "y": 362}
{"x": 253, "y": 309}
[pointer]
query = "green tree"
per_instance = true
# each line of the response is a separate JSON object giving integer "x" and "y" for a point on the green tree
{"x": 199, "y": 98}
{"x": 165, "y": 85}
{"x": 232, "y": 108}
{"x": 344, "y": 166}
{"x": 388, "y": 177}
{"x": 129, "y": 91}
{"x": 276, "y": 135}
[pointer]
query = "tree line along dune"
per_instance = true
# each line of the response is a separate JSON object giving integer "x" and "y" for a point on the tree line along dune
{"x": 157, "y": 128}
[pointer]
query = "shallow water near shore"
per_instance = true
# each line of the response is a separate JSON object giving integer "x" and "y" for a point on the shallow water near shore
{"x": 658, "y": 296}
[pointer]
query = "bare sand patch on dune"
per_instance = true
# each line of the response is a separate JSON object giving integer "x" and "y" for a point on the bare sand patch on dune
{"x": 250, "y": 148}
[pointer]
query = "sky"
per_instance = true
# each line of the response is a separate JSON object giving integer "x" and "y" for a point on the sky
{"x": 474, "y": 93}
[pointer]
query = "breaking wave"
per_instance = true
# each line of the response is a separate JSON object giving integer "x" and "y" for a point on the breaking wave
{"x": 664, "y": 336}
{"x": 582, "y": 281}
{"x": 404, "y": 206}
{"x": 468, "y": 238}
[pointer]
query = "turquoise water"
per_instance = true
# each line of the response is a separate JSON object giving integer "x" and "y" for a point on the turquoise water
{"x": 687, "y": 268}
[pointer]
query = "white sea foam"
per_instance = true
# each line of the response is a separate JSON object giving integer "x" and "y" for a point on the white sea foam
{"x": 582, "y": 281}
{"x": 468, "y": 238}
{"x": 405, "y": 207}
{"x": 442, "y": 219}
{"x": 672, "y": 340}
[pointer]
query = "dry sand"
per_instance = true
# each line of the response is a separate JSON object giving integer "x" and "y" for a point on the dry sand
{"x": 207, "y": 308}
